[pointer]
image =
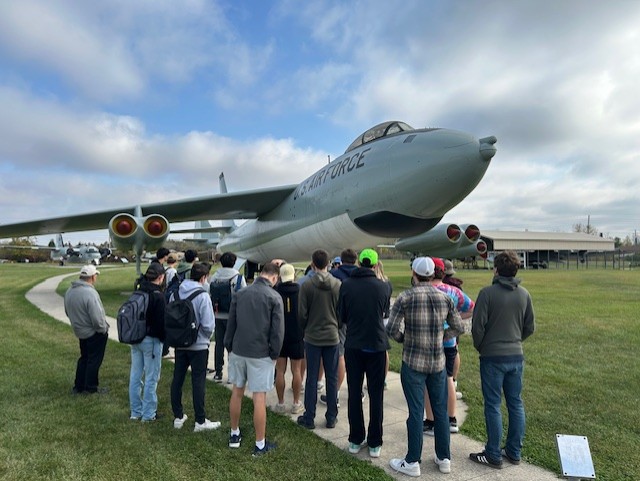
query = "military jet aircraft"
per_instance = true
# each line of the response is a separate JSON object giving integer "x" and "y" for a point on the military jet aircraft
{"x": 393, "y": 181}
{"x": 61, "y": 253}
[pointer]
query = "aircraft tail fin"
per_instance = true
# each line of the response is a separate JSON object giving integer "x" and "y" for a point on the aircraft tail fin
{"x": 59, "y": 241}
{"x": 229, "y": 224}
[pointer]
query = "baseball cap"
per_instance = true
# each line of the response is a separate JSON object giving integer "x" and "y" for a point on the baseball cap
{"x": 337, "y": 260}
{"x": 448, "y": 268}
{"x": 368, "y": 258}
{"x": 438, "y": 263}
{"x": 154, "y": 271}
{"x": 287, "y": 272}
{"x": 89, "y": 271}
{"x": 423, "y": 266}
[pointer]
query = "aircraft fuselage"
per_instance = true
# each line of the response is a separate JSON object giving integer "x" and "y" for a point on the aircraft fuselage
{"x": 396, "y": 186}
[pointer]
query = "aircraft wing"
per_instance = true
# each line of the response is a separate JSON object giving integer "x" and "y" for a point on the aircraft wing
{"x": 236, "y": 205}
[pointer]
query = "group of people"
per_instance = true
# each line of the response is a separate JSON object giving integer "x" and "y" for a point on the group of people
{"x": 333, "y": 323}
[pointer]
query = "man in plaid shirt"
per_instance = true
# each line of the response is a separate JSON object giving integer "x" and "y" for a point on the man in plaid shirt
{"x": 417, "y": 320}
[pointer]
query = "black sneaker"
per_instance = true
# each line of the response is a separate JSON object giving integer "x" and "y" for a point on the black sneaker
{"x": 267, "y": 448}
{"x": 217, "y": 377}
{"x": 509, "y": 458}
{"x": 331, "y": 423}
{"x": 99, "y": 390}
{"x": 482, "y": 458}
{"x": 453, "y": 425}
{"x": 427, "y": 427}
{"x": 234, "y": 440}
{"x": 302, "y": 421}
{"x": 323, "y": 400}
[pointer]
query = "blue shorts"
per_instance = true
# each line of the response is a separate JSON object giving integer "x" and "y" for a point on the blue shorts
{"x": 256, "y": 374}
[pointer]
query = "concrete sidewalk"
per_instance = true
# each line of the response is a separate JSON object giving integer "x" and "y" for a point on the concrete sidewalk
{"x": 395, "y": 414}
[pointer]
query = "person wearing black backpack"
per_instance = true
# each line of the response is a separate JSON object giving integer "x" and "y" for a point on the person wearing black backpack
{"x": 146, "y": 356}
{"x": 195, "y": 355}
{"x": 225, "y": 282}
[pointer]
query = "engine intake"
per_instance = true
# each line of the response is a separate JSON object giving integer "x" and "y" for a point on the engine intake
{"x": 138, "y": 233}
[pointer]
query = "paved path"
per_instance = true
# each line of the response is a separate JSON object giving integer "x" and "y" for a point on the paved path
{"x": 395, "y": 414}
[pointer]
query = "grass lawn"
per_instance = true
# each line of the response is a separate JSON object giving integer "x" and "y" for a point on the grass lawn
{"x": 582, "y": 377}
{"x": 49, "y": 434}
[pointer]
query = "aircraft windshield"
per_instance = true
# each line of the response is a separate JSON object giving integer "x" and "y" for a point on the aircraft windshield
{"x": 380, "y": 130}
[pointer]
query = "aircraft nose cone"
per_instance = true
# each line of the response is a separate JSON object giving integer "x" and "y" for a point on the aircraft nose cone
{"x": 487, "y": 147}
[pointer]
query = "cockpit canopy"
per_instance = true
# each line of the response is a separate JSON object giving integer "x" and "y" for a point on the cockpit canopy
{"x": 381, "y": 130}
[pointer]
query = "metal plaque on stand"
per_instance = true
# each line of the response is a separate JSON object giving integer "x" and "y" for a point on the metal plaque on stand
{"x": 575, "y": 457}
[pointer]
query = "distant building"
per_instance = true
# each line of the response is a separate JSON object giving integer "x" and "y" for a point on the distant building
{"x": 539, "y": 250}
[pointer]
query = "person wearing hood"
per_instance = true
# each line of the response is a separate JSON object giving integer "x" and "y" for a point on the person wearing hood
{"x": 227, "y": 277}
{"x": 342, "y": 271}
{"x": 363, "y": 301}
{"x": 317, "y": 313}
{"x": 196, "y": 355}
{"x": 84, "y": 309}
{"x": 502, "y": 319}
{"x": 146, "y": 356}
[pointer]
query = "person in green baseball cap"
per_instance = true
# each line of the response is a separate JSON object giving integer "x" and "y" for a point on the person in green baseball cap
{"x": 361, "y": 306}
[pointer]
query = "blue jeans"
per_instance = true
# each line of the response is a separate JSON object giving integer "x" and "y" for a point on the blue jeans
{"x": 146, "y": 361}
{"x": 496, "y": 378}
{"x": 329, "y": 356}
{"x": 413, "y": 385}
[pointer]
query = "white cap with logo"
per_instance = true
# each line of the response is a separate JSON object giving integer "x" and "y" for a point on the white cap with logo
{"x": 89, "y": 271}
{"x": 423, "y": 266}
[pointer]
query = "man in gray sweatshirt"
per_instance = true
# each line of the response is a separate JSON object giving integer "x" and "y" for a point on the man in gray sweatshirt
{"x": 502, "y": 319}
{"x": 317, "y": 314}
{"x": 84, "y": 309}
{"x": 197, "y": 354}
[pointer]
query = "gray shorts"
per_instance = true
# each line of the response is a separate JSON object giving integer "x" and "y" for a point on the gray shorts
{"x": 256, "y": 374}
{"x": 342, "y": 335}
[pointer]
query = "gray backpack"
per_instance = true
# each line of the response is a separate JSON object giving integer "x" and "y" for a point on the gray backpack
{"x": 132, "y": 318}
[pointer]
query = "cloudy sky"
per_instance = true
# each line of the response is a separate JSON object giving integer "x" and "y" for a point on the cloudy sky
{"x": 112, "y": 103}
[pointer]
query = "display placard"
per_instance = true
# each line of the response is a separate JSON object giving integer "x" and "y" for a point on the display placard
{"x": 575, "y": 456}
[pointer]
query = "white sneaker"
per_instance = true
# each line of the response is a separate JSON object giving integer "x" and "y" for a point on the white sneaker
{"x": 297, "y": 408}
{"x": 320, "y": 386}
{"x": 179, "y": 422}
{"x": 280, "y": 408}
{"x": 375, "y": 452}
{"x": 206, "y": 426}
{"x": 401, "y": 466}
{"x": 355, "y": 448}
{"x": 458, "y": 395}
{"x": 444, "y": 465}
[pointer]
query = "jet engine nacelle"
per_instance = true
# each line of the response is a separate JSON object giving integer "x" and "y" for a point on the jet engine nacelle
{"x": 440, "y": 237}
{"x": 471, "y": 234}
{"x": 138, "y": 233}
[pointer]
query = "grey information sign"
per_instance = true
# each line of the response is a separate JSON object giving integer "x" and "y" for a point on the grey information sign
{"x": 575, "y": 456}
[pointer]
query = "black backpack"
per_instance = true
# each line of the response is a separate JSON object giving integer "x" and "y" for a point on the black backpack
{"x": 180, "y": 324}
{"x": 220, "y": 290}
{"x": 174, "y": 285}
{"x": 132, "y": 318}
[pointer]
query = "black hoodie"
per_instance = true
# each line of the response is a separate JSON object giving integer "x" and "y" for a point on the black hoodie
{"x": 363, "y": 300}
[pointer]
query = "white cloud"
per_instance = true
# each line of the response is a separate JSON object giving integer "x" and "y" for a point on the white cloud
{"x": 556, "y": 85}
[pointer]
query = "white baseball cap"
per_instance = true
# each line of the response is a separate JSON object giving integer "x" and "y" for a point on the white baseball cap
{"x": 423, "y": 266}
{"x": 89, "y": 271}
